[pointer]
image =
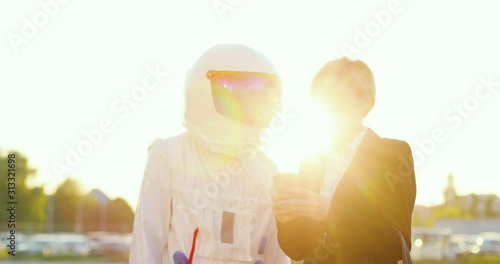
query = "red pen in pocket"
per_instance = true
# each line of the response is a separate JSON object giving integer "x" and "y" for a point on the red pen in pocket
{"x": 193, "y": 246}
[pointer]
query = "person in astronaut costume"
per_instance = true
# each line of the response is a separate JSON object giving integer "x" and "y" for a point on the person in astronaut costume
{"x": 211, "y": 177}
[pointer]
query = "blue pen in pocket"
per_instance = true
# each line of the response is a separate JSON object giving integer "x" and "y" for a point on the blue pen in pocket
{"x": 180, "y": 258}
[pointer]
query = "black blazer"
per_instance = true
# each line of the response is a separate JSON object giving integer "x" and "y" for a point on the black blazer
{"x": 377, "y": 190}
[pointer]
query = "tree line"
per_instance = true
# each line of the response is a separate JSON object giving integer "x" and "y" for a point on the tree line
{"x": 69, "y": 209}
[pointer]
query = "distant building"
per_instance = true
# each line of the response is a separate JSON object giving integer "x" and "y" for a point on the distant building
{"x": 480, "y": 206}
{"x": 466, "y": 214}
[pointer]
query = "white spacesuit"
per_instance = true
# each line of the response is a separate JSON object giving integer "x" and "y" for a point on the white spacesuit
{"x": 213, "y": 177}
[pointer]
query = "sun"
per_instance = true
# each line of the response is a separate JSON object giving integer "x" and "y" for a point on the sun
{"x": 308, "y": 133}
{"x": 318, "y": 128}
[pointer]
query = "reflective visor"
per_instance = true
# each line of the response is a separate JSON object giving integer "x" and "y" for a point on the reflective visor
{"x": 248, "y": 97}
{"x": 235, "y": 81}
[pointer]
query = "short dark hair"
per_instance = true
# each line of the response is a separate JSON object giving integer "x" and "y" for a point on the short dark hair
{"x": 354, "y": 72}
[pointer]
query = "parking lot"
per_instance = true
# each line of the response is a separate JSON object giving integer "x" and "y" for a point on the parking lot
{"x": 96, "y": 247}
{"x": 440, "y": 244}
{"x": 437, "y": 245}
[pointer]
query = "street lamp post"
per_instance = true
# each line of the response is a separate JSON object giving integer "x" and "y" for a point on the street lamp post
{"x": 79, "y": 216}
{"x": 50, "y": 215}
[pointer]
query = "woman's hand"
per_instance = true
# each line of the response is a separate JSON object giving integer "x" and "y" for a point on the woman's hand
{"x": 299, "y": 201}
{"x": 281, "y": 214}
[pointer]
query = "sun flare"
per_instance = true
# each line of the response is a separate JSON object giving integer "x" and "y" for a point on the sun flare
{"x": 309, "y": 133}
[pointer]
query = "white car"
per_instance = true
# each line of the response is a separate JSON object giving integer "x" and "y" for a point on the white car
{"x": 56, "y": 244}
{"x": 457, "y": 247}
{"x": 430, "y": 243}
{"x": 488, "y": 245}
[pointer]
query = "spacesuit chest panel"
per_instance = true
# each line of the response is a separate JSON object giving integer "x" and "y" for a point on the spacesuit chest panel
{"x": 229, "y": 201}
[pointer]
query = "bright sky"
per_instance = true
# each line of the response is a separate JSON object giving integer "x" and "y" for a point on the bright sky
{"x": 74, "y": 64}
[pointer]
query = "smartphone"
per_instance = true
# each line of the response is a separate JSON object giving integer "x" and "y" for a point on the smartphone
{"x": 284, "y": 181}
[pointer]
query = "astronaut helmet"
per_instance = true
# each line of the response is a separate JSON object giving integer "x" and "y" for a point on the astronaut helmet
{"x": 232, "y": 94}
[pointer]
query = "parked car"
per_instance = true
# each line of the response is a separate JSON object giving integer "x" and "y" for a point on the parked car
{"x": 43, "y": 244}
{"x": 488, "y": 244}
{"x": 4, "y": 241}
{"x": 458, "y": 247}
{"x": 76, "y": 244}
{"x": 430, "y": 243}
{"x": 110, "y": 244}
{"x": 56, "y": 244}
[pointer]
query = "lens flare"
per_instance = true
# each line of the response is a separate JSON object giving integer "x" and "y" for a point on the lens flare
{"x": 317, "y": 131}
{"x": 309, "y": 133}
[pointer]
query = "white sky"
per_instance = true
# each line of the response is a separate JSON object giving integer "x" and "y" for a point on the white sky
{"x": 428, "y": 57}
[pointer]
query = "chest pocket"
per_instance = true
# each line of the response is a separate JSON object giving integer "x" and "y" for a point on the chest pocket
{"x": 227, "y": 225}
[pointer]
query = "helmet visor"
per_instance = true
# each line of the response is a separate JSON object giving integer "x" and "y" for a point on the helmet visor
{"x": 246, "y": 97}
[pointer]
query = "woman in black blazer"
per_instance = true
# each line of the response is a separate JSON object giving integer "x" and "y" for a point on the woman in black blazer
{"x": 351, "y": 197}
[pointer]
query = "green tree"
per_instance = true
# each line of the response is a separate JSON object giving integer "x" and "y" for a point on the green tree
{"x": 489, "y": 212}
{"x": 474, "y": 206}
{"x": 90, "y": 208}
{"x": 120, "y": 217}
{"x": 447, "y": 212}
{"x": 31, "y": 200}
{"x": 66, "y": 199}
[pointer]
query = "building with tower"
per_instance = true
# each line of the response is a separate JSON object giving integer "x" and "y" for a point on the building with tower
{"x": 477, "y": 205}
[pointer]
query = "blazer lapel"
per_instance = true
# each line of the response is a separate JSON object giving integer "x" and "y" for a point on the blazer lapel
{"x": 312, "y": 169}
{"x": 355, "y": 170}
